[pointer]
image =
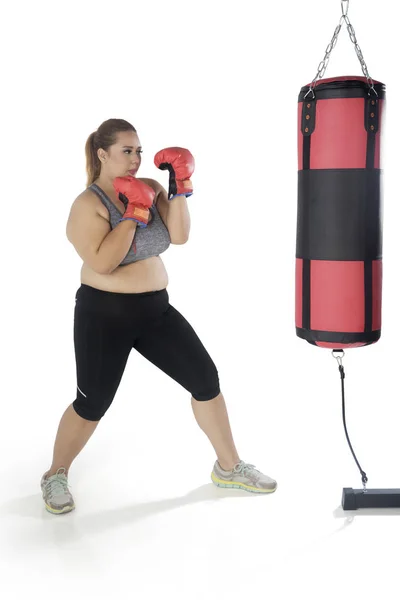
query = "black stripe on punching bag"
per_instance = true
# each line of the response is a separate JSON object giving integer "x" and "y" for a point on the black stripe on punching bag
{"x": 370, "y": 151}
{"x": 306, "y": 306}
{"x": 339, "y": 215}
{"x": 343, "y": 89}
{"x": 307, "y": 128}
{"x": 371, "y": 122}
{"x": 306, "y": 152}
{"x": 338, "y": 337}
{"x": 368, "y": 295}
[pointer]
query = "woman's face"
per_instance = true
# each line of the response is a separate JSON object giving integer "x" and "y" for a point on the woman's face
{"x": 122, "y": 158}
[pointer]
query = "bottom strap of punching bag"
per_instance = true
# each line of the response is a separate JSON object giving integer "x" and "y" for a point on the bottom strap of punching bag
{"x": 338, "y": 337}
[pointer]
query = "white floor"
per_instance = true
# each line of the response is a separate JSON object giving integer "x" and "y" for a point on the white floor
{"x": 150, "y": 524}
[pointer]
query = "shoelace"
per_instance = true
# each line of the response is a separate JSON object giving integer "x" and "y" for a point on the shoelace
{"x": 58, "y": 485}
{"x": 242, "y": 467}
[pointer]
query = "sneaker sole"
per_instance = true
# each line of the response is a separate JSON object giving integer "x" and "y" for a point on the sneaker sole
{"x": 248, "y": 488}
{"x": 61, "y": 511}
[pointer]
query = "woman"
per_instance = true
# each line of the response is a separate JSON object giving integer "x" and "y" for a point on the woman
{"x": 119, "y": 226}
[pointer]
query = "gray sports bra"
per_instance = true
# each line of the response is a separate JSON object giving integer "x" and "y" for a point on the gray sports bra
{"x": 148, "y": 241}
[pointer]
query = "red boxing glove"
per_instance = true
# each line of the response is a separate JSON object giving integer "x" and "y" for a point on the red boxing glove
{"x": 138, "y": 197}
{"x": 180, "y": 164}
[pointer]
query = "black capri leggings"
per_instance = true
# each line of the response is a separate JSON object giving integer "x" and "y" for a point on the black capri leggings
{"x": 107, "y": 325}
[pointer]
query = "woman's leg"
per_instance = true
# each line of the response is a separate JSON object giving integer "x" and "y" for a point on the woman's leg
{"x": 102, "y": 347}
{"x": 72, "y": 435}
{"x": 174, "y": 347}
{"x": 212, "y": 418}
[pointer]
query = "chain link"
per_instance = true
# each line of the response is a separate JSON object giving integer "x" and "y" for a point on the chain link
{"x": 352, "y": 35}
{"x": 324, "y": 63}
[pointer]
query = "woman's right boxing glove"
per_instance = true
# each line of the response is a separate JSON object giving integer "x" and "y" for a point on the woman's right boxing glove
{"x": 138, "y": 197}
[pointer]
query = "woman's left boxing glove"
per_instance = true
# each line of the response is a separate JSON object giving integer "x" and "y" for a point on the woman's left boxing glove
{"x": 180, "y": 164}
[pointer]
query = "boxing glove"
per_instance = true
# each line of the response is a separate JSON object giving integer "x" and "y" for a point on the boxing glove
{"x": 180, "y": 164}
{"x": 137, "y": 198}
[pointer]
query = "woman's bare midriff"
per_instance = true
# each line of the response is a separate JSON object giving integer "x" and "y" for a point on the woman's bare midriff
{"x": 147, "y": 275}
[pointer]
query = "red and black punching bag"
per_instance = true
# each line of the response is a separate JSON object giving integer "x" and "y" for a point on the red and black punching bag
{"x": 339, "y": 216}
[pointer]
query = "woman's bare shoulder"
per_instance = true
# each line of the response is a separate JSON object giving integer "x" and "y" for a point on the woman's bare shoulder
{"x": 89, "y": 201}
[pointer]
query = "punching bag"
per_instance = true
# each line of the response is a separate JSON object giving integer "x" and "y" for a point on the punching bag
{"x": 339, "y": 216}
{"x": 339, "y": 224}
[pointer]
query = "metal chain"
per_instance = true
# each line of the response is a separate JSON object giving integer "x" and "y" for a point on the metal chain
{"x": 352, "y": 35}
{"x": 324, "y": 63}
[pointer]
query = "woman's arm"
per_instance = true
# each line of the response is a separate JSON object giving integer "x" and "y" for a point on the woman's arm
{"x": 174, "y": 213}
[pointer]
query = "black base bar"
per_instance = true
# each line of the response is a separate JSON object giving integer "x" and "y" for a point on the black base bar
{"x": 355, "y": 499}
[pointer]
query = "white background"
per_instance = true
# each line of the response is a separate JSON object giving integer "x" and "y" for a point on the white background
{"x": 222, "y": 79}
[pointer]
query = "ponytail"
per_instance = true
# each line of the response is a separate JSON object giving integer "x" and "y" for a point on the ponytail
{"x": 93, "y": 165}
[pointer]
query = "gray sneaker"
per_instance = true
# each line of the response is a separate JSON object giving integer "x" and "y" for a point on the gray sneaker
{"x": 56, "y": 495}
{"x": 243, "y": 476}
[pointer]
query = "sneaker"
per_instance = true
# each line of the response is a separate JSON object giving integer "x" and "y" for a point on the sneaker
{"x": 56, "y": 495}
{"x": 243, "y": 476}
